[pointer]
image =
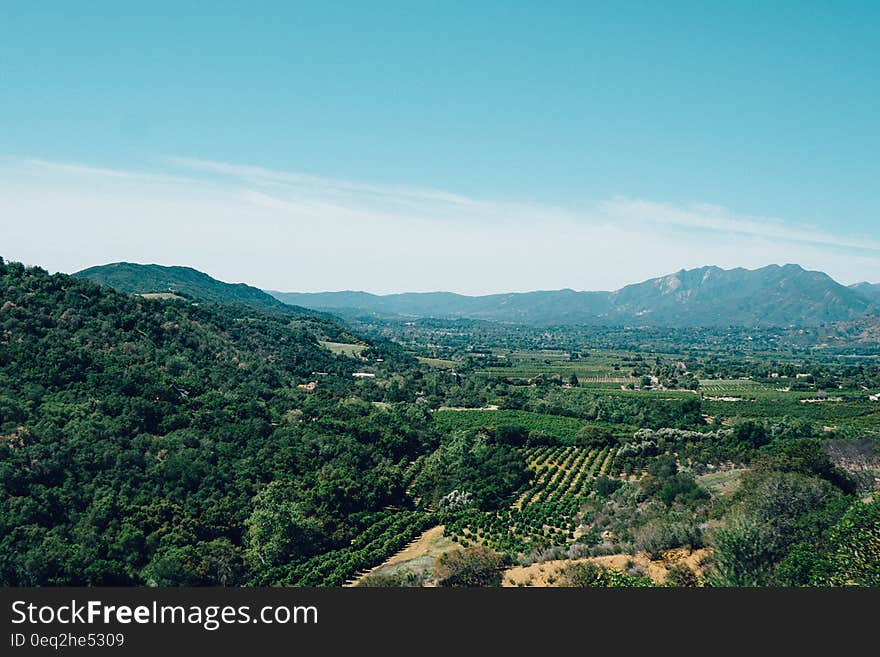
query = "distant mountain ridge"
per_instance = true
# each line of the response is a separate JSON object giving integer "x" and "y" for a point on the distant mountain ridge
{"x": 707, "y": 296}
{"x": 870, "y": 291}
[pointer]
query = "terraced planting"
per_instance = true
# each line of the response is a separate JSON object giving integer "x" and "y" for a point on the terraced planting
{"x": 390, "y": 532}
{"x": 545, "y": 511}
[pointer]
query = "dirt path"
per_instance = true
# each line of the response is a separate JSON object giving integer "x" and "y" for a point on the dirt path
{"x": 418, "y": 556}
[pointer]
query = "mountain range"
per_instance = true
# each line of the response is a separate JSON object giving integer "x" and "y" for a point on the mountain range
{"x": 707, "y": 296}
{"x": 775, "y": 295}
{"x": 870, "y": 291}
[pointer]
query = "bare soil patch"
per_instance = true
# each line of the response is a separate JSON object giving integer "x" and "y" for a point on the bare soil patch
{"x": 547, "y": 573}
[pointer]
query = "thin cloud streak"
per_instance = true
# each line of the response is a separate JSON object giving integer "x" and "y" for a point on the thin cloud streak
{"x": 76, "y": 169}
{"x": 263, "y": 176}
{"x": 717, "y": 218}
{"x": 421, "y": 202}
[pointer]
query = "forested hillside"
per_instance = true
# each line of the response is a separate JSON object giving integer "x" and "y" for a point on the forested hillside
{"x": 157, "y": 279}
{"x": 138, "y": 438}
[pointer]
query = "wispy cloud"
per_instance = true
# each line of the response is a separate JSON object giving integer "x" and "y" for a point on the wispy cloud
{"x": 417, "y": 202}
{"x": 267, "y": 177}
{"x": 432, "y": 203}
{"x": 716, "y": 218}
{"x": 294, "y": 231}
{"x": 38, "y": 166}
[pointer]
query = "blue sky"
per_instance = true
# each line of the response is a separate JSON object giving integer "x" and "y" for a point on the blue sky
{"x": 478, "y": 146}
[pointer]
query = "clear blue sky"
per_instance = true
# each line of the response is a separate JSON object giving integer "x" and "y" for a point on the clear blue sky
{"x": 765, "y": 109}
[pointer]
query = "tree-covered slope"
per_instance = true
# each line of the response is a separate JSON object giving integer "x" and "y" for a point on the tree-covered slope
{"x": 139, "y": 438}
{"x": 146, "y": 279}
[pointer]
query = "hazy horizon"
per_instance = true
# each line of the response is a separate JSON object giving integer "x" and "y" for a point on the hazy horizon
{"x": 272, "y": 290}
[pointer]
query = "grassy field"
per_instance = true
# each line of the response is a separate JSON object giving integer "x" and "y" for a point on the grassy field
{"x": 344, "y": 348}
{"x": 596, "y": 367}
{"x": 558, "y": 426}
{"x": 437, "y": 362}
{"x": 722, "y": 482}
{"x": 166, "y": 296}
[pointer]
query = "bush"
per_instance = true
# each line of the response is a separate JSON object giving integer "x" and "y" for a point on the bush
{"x": 605, "y": 486}
{"x": 679, "y": 488}
{"x": 589, "y": 575}
{"x": 681, "y": 576}
{"x": 741, "y": 553}
{"x": 399, "y": 579}
{"x": 855, "y": 547}
{"x": 657, "y": 536}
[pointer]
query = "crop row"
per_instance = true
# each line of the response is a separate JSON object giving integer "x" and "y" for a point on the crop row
{"x": 517, "y": 530}
{"x": 369, "y": 549}
{"x": 545, "y": 513}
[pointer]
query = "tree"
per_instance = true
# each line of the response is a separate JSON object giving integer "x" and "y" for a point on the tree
{"x": 278, "y": 529}
{"x": 213, "y": 563}
{"x": 593, "y": 436}
{"x": 807, "y": 457}
{"x": 466, "y": 461}
{"x": 471, "y": 567}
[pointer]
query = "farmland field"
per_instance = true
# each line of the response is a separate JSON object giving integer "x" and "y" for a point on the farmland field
{"x": 563, "y": 428}
{"x": 437, "y": 362}
{"x": 762, "y": 404}
{"x": 596, "y": 367}
{"x": 721, "y": 482}
{"x": 714, "y": 386}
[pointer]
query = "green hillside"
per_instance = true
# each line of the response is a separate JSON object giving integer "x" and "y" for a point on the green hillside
{"x": 159, "y": 442}
{"x": 150, "y": 279}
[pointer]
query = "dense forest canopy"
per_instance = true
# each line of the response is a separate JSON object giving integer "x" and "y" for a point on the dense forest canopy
{"x": 140, "y": 437}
